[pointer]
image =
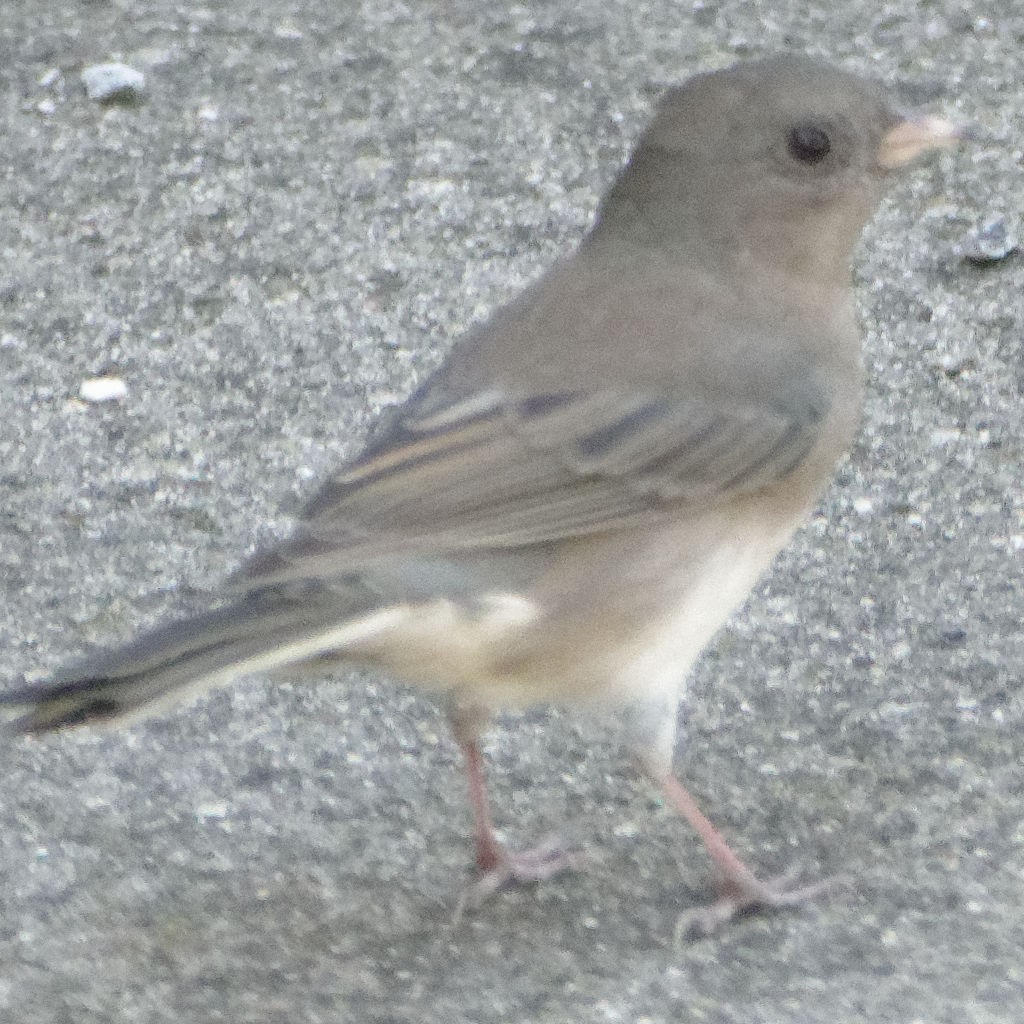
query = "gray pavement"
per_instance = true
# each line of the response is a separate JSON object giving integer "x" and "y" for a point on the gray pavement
{"x": 278, "y": 239}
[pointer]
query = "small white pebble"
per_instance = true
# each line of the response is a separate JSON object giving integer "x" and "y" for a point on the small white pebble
{"x": 46, "y": 107}
{"x": 286, "y": 30}
{"x": 102, "y": 389}
{"x": 112, "y": 81}
{"x": 863, "y": 506}
{"x": 993, "y": 241}
{"x": 429, "y": 189}
{"x": 894, "y": 709}
{"x": 212, "y": 811}
{"x": 945, "y": 436}
{"x": 49, "y": 77}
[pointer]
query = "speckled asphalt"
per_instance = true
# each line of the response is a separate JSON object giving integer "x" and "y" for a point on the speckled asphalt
{"x": 278, "y": 238}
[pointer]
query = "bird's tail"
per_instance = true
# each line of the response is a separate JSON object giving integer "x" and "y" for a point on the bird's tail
{"x": 264, "y": 630}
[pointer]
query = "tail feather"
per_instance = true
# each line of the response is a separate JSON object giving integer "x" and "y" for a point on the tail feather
{"x": 264, "y": 630}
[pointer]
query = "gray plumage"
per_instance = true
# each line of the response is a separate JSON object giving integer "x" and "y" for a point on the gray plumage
{"x": 573, "y": 504}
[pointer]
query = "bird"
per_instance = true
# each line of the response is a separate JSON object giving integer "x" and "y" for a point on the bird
{"x": 570, "y": 507}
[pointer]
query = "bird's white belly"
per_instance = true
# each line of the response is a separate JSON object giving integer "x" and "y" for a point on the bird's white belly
{"x": 665, "y": 650}
{"x": 602, "y": 645}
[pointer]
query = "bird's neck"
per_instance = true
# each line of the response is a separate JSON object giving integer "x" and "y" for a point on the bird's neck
{"x": 763, "y": 259}
{"x": 660, "y": 204}
{"x": 771, "y": 246}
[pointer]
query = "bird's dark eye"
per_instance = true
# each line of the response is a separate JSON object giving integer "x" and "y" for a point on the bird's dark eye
{"x": 808, "y": 143}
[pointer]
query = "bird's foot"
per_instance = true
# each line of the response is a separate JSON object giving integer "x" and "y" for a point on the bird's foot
{"x": 743, "y": 893}
{"x": 504, "y": 869}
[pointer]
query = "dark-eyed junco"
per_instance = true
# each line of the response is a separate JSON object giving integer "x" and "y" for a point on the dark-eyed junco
{"x": 571, "y": 506}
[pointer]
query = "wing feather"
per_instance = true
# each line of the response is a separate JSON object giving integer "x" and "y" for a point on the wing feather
{"x": 498, "y": 472}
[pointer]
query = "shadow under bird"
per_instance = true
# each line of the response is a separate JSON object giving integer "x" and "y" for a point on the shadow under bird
{"x": 572, "y": 505}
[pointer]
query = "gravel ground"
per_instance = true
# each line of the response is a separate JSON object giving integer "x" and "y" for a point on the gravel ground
{"x": 279, "y": 235}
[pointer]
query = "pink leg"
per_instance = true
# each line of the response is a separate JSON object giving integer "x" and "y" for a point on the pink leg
{"x": 739, "y": 889}
{"x": 499, "y": 867}
{"x": 489, "y": 854}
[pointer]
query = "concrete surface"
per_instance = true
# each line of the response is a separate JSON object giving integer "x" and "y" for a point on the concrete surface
{"x": 278, "y": 238}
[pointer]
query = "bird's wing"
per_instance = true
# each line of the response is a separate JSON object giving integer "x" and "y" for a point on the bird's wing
{"x": 494, "y": 472}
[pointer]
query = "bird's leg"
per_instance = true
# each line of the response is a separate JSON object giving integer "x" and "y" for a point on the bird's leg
{"x": 498, "y": 867}
{"x": 740, "y": 891}
{"x": 493, "y": 861}
{"x": 489, "y": 852}
{"x": 651, "y": 732}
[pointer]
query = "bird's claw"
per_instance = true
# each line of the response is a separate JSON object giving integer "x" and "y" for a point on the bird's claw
{"x": 741, "y": 894}
{"x": 521, "y": 867}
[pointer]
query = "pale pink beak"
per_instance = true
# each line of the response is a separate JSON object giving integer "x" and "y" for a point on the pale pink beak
{"x": 917, "y": 135}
